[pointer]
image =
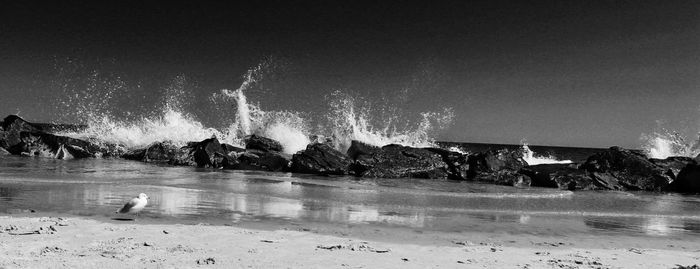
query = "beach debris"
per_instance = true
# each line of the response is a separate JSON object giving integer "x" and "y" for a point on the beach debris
{"x": 557, "y": 244}
{"x": 636, "y": 250}
{"x": 49, "y": 250}
{"x": 165, "y": 232}
{"x": 404, "y": 259}
{"x": 269, "y": 241}
{"x": 363, "y": 246}
{"x": 694, "y": 266}
{"x": 206, "y": 261}
{"x": 181, "y": 248}
{"x": 147, "y": 244}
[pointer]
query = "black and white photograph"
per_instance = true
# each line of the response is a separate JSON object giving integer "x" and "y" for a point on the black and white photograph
{"x": 350, "y": 134}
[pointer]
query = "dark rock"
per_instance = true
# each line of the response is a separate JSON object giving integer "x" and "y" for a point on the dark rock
{"x": 158, "y": 152}
{"x": 673, "y": 165}
{"x": 562, "y": 176}
{"x": 396, "y": 161}
{"x": 53, "y": 146}
{"x": 482, "y": 164}
{"x": 507, "y": 178}
{"x": 4, "y": 152}
{"x": 688, "y": 180}
{"x": 358, "y": 149}
{"x": 697, "y": 159}
{"x": 320, "y": 159}
{"x": 229, "y": 148}
{"x": 12, "y": 127}
{"x": 262, "y": 143}
{"x": 457, "y": 163}
{"x": 260, "y": 160}
{"x": 206, "y": 153}
{"x": 631, "y": 170}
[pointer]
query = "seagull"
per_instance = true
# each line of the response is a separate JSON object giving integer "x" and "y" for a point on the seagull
{"x": 135, "y": 205}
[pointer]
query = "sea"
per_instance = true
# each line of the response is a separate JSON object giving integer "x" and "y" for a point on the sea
{"x": 97, "y": 187}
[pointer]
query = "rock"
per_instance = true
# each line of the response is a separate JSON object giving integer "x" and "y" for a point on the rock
{"x": 483, "y": 164}
{"x": 229, "y": 148}
{"x": 320, "y": 159}
{"x": 53, "y": 146}
{"x": 358, "y": 149}
{"x": 12, "y": 127}
{"x": 262, "y": 143}
{"x": 259, "y": 160}
{"x": 206, "y": 153}
{"x": 457, "y": 163}
{"x": 631, "y": 170}
{"x": 673, "y": 165}
{"x": 562, "y": 176}
{"x": 157, "y": 152}
{"x": 507, "y": 178}
{"x": 396, "y": 161}
{"x": 688, "y": 180}
{"x": 4, "y": 152}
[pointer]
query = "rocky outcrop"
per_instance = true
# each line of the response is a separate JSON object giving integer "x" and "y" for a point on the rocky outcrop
{"x": 206, "y": 153}
{"x": 562, "y": 176}
{"x": 320, "y": 159}
{"x": 159, "y": 152}
{"x": 264, "y": 144}
{"x": 396, "y": 161}
{"x": 4, "y": 152}
{"x": 673, "y": 165}
{"x": 12, "y": 127}
{"x": 630, "y": 170}
{"x": 497, "y": 166}
{"x": 688, "y": 180}
{"x": 457, "y": 163}
{"x": 260, "y": 160}
{"x": 53, "y": 146}
{"x": 358, "y": 149}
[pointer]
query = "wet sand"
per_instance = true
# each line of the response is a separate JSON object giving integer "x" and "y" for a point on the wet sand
{"x": 35, "y": 241}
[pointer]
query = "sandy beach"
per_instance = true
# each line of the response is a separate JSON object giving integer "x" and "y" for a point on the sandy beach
{"x": 31, "y": 241}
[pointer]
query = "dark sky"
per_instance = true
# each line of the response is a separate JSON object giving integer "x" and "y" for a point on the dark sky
{"x": 578, "y": 73}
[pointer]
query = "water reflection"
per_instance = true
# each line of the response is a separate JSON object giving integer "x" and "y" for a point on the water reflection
{"x": 100, "y": 187}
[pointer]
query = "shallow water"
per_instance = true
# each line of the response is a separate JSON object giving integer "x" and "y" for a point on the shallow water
{"x": 97, "y": 187}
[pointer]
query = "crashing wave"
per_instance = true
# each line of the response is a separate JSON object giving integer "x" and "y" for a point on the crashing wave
{"x": 531, "y": 159}
{"x": 347, "y": 119}
{"x": 664, "y": 143}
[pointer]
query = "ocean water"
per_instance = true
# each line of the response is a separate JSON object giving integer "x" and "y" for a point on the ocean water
{"x": 98, "y": 187}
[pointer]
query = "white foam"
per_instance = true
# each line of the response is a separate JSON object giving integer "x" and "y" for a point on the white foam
{"x": 531, "y": 159}
{"x": 347, "y": 120}
{"x": 352, "y": 121}
{"x": 171, "y": 126}
{"x": 663, "y": 144}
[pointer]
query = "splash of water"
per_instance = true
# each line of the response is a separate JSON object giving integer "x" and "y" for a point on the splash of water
{"x": 353, "y": 121}
{"x": 664, "y": 143}
{"x": 174, "y": 126}
{"x": 531, "y": 159}
{"x": 347, "y": 120}
{"x": 287, "y": 127}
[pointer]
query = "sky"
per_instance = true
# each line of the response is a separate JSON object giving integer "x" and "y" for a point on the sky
{"x": 569, "y": 73}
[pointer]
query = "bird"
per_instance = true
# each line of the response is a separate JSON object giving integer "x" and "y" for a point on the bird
{"x": 135, "y": 205}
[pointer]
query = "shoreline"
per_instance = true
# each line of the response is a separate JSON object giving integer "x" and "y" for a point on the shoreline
{"x": 44, "y": 240}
